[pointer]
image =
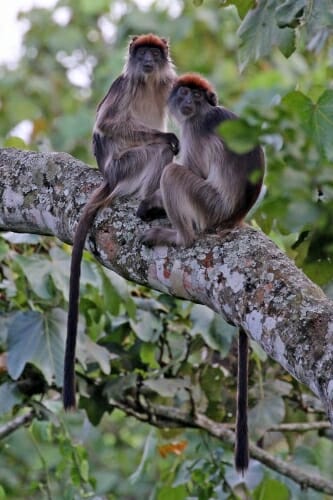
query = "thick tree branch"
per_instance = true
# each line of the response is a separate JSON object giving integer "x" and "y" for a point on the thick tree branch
{"x": 243, "y": 276}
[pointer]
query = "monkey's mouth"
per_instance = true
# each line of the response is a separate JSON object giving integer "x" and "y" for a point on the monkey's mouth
{"x": 186, "y": 110}
{"x": 148, "y": 68}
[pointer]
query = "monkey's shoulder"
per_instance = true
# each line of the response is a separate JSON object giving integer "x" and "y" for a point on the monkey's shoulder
{"x": 115, "y": 91}
{"x": 217, "y": 115}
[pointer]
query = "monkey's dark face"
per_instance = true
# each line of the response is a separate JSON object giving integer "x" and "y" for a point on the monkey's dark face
{"x": 187, "y": 102}
{"x": 147, "y": 59}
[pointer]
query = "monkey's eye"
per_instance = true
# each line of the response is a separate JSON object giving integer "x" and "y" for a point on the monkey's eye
{"x": 183, "y": 91}
{"x": 140, "y": 51}
{"x": 196, "y": 95}
{"x": 156, "y": 53}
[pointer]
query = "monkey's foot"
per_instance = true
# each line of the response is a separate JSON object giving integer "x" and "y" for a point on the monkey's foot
{"x": 159, "y": 236}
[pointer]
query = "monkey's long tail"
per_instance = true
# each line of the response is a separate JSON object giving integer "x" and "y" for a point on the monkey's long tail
{"x": 89, "y": 213}
{"x": 242, "y": 437}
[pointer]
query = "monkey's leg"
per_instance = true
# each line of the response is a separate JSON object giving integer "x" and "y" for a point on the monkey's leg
{"x": 242, "y": 438}
{"x": 191, "y": 203}
{"x": 138, "y": 171}
{"x": 151, "y": 207}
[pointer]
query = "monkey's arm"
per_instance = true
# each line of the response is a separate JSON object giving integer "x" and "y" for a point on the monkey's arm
{"x": 132, "y": 133}
{"x": 244, "y": 276}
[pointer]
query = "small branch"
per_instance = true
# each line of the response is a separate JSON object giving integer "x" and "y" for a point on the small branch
{"x": 163, "y": 416}
{"x": 15, "y": 424}
{"x": 294, "y": 427}
{"x": 300, "y": 427}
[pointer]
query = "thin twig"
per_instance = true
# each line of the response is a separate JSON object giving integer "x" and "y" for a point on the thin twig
{"x": 16, "y": 423}
{"x": 301, "y": 427}
{"x": 294, "y": 427}
{"x": 171, "y": 417}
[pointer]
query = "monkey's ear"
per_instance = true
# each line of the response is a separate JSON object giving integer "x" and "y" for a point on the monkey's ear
{"x": 165, "y": 41}
{"x": 134, "y": 37}
{"x": 211, "y": 98}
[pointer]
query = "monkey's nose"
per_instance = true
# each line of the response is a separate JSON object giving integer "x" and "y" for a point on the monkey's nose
{"x": 186, "y": 109}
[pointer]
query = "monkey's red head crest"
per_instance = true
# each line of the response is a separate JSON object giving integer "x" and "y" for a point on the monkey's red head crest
{"x": 149, "y": 40}
{"x": 195, "y": 81}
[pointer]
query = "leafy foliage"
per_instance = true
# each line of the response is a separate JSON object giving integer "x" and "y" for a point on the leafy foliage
{"x": 136, "y": 345}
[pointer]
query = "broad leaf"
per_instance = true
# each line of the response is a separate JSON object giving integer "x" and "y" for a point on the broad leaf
{"x": 36, "y": 269}
{"x": 259, "y": 33}
{"x": 317, "y": 119}
{"x": 166, "y": 387}
{"x": 9, "y": 397}
{"x": 243, "y": 6}
{"x": 60, "y": 271}
{"x": 216, "y": 332}
{"x": 289, "y": 13}
{"x": 269, "y": 411}
{"x": 271, "y": 488}
{"x": 146, "y": 326}
{"x": 323, "y": 123}
{"x": 239, "y": 136}
{"x": 38, "y": 339}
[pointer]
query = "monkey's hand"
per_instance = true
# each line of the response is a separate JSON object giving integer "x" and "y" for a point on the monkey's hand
{"x": 173, "y": 141}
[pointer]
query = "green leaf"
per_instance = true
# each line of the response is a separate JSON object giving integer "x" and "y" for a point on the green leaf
{"x": 39, "y": 339}
{"x": 15, "y": 142}
{"x": 239, "y": 136}
{"x": 95, "y": 7}
{"x": 116, "y": 387}
{"x": 259, "y": 33}
{"x": 95, "y": 407}
{"x": 317, "y": 119}
{"x": 170, "y": 493}
{"x": 243, "y": 6}
{"x": 9, "y": 397}
{"x": 146, "y": 326}
{"x": 289, "y": 13}
{"x": 149, "y": 449}
{"x": 323, "y": 123}
{"x": 321, "y": 272}
{"x": 215, "y": 331}
{"x": 318, "y": 26}
{"x": 36, "y": 269}
{"x": 299, "y": 104}
{"x": 271, "y": 488}
{"x": 21, "y": 238}
{"x": 267, "y": 412}
{"x": 148, "y": 355}
{"x": 87, "y": 350}
{"x": 111, "y": 296}
{"x": 167, "y": 387}
{"x": 4, "y": 249}
{"x": 60, "y": 270}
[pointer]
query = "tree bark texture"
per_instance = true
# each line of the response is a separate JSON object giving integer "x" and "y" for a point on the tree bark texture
{"x": 241, "y": 275}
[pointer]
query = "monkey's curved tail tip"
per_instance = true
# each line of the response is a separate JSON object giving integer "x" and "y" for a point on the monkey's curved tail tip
{"x": 241, "y": 463}
{"x": 69, "y": 402}
{"x": 241, "y": 431}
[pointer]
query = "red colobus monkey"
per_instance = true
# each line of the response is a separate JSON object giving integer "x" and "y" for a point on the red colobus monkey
{"x": 131, "y": 148}
{"x": 211, "y": 188}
